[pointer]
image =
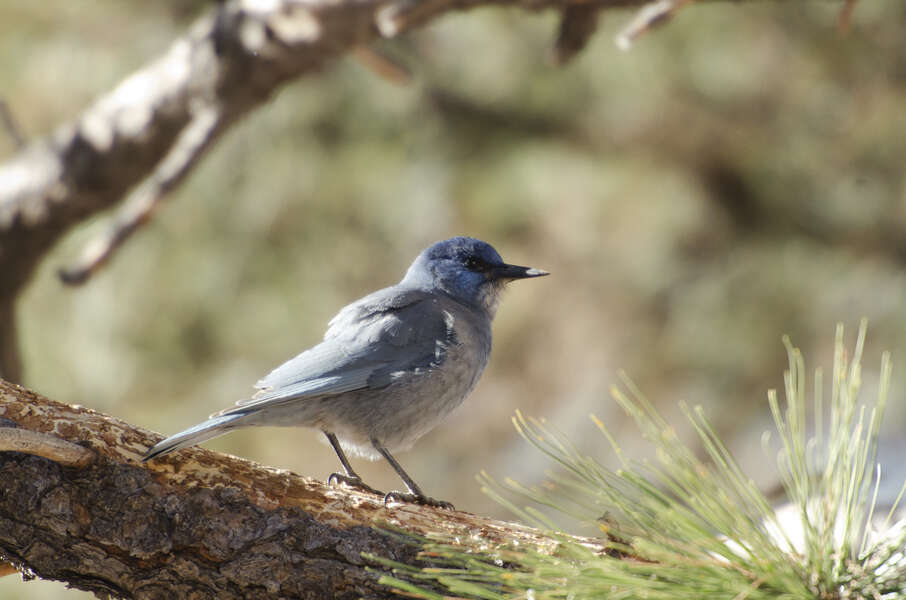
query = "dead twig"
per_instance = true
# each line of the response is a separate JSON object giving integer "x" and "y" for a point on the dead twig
{"x": 235, "y": 57}
{"x": 384, "y": 65}
{"x": 68, "y": 454}
{"x": 577, "y": 24}
{"x": 647, "y": 18}
{"x": 139, "y": 207}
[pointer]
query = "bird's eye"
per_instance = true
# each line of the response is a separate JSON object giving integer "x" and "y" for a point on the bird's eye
{"x": 472, "y": 262}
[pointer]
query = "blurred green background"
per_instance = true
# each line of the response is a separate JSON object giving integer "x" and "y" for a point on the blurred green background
{"x": 738, "y": 175}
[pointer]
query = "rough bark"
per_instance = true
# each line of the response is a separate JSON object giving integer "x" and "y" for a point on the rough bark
{"x": 195, "y": 524}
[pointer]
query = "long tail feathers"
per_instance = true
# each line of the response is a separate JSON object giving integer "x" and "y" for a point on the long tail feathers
{"x": 194, "y": 435}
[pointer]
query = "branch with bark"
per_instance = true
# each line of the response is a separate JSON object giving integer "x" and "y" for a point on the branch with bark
{"x": 78, "y": 505}
{"x": 146, "y": 135}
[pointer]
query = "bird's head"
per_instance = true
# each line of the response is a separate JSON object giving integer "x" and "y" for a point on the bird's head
{"x": 467, "y": 269}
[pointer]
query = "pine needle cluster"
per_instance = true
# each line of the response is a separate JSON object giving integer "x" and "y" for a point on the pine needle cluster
{"x": 681, "y": 526}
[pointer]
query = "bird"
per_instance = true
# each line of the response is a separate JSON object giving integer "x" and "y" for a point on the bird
{"x": 391, "y": 366}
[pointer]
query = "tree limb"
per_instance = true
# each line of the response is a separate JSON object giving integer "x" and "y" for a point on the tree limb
{"x": 230, "y": 61}
{"x": 198, "y": 523}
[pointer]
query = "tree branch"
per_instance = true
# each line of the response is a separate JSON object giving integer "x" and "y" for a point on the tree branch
{"x": 197, "y": 523}
{"x": 230, "y": 61}
{"x": 650, "y": 16}
{"x": 578, "y": 24}
{"x": 172, "y": 169}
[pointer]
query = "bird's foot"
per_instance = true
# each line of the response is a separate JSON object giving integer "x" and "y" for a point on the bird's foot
{"x": 354, "y": 481}
{"x": 417, "y": 499}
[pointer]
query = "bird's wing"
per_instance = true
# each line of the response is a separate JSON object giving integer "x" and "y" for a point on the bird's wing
{"x": 367, "y": 344}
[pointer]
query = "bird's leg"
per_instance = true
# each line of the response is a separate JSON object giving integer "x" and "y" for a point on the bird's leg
{"x": 416, "y": 495}
{"x": 351, "y": 478}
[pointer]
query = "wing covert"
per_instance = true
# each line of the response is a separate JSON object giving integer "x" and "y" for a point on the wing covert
{"x": 368, "y": 343}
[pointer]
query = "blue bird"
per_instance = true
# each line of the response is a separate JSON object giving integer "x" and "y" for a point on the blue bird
{"x": 391, "y": 367}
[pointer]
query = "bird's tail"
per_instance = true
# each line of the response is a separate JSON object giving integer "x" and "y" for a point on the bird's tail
{"x": 211, "y": 428}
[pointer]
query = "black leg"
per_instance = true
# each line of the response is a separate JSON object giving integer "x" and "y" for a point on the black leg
{"x": 416, "y": 495}
{"x": 351, "y": 478}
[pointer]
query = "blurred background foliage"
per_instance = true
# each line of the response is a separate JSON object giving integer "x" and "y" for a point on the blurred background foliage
{"x": 738, "y": 175}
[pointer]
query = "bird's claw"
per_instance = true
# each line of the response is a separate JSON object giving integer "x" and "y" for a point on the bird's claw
{"x": 417, "y": 499}
{"x": 354, "y": 482}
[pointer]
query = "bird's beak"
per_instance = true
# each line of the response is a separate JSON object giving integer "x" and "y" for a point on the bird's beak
{"x": 514, "y": 272}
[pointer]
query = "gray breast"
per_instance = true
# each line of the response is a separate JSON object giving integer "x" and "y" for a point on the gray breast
{"x": 415, "y": 401}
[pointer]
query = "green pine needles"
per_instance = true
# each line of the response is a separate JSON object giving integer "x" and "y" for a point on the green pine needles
{"x": 681, "y": 527}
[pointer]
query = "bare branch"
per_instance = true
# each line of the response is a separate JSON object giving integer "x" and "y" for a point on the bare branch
{"x": 197, "y": 523}
{"x": 233, "y": 58}
{"x": 577, "y": 24}
{"x": 383, "y": 65}
{"x": 650, "y": 16}
{"x": 137, "y": 211}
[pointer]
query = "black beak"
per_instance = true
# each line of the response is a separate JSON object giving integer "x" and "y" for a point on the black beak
{"x": 514, "y": 272}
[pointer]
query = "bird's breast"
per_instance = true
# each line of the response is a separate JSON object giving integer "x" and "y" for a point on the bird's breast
{"x": 422, "y": 401}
